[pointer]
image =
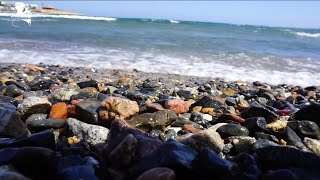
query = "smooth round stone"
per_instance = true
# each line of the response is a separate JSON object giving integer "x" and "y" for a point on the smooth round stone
{"x": 232, "y": 130}
{"x": 160, "y": 173}
{"x": 43, "y": 124}
{"x": 13, "y": 91}
{"x": 85, "y": 84}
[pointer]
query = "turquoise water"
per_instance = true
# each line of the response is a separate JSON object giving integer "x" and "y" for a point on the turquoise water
{"x": 274, "y": 55}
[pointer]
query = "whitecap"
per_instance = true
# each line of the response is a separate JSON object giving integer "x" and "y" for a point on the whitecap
{"x": 304, "y": 34}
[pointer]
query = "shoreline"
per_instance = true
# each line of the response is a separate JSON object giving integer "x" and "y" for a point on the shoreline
{"x": 156, "y": 75}
{"x": 82, "y": 122}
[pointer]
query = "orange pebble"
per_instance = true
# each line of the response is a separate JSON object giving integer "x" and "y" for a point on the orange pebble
{"x": 59, "y": 111}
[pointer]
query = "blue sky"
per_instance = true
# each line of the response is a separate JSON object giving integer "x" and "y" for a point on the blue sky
{"x": 304, "y": 14}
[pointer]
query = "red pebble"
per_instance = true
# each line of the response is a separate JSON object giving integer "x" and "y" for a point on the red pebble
{"x": 284, "y": 112}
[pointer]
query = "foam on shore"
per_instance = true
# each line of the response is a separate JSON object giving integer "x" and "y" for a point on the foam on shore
{"x": 304, "y": 74}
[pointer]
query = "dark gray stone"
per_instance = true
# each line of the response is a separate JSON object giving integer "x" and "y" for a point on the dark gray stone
{"x": 232, "y": 130}
{"x": 11, "y": 124}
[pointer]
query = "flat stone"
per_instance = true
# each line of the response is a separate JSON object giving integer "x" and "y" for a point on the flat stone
{"x": 93, "y": 134}
{"x": 33, "y": 105}
{"x": 85, "y": 84}
{"x": 43, "y": 124}
{"x": 230, "y": 116}
{"x": 191, "y": 128}
{"x": 149, "y": 121}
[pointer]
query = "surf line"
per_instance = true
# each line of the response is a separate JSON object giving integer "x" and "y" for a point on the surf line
{"x": 23, "y": 13}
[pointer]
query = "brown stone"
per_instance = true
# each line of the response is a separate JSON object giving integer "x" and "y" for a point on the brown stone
{"x": 177, "y": 105}
{"x": 190, "y": 128}
{"x": 196, "y": 109}
{"x": 72, "y": 108}
{"x": 154, "y": 107}
{"x": 59, "y": 111}
{"x": 208, "y": 110}
{"x": 241, "y": 106}
{"x": 159, "y": 173}
{"x": 118, "y": 107}
{"x": 34, "y": 68}
{"x": 230, "y": 116}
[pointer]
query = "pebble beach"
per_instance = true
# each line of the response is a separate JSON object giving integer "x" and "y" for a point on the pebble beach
{"x": 60, "y": 122}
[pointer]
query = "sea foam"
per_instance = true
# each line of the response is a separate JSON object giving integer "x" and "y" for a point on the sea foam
{"x": 160, "y": 63}
{"x": 304, "y": 34}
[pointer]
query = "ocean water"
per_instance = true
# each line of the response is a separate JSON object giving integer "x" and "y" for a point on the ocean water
{"x": 270, "y": 54}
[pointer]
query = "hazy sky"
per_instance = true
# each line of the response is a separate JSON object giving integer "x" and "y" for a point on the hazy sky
{"x": 271, "y": 13}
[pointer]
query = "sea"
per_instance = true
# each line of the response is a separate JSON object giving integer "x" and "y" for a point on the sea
{"x": 275, "y": 55}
